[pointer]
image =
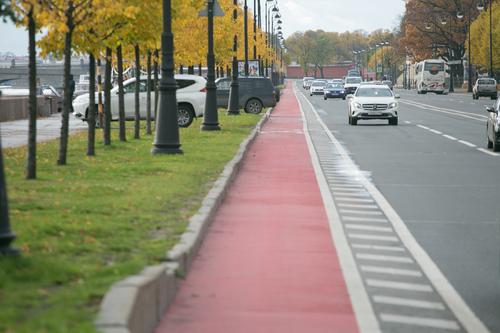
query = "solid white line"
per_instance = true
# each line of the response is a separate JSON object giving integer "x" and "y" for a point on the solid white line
{"x": 367, "y": 228}
{"x": 373, "y": 237}
{"x": 486, "y": 151}
{"x": 363, "y": 219}
{"x": 467, "y": 143}
{"x": 408, "y": 122}
{"x": 399, "y": 285}
{"x": 435, "y": 131}
{"x": 377, "y": 257}
{"x": 358, "y": 206}
{"x": 390, "y": 271}
{"x": 378, "y": 247}
{"x": 408, "y": 302}
{"x": 359, "y": 212}
{"x": 447, "y": 111}
{"x": 421, "y": 321}
{"x": 450, "y": 137}
{"x": 362, "y": 307}
{"x": 424, "y": 127}
{"x": 451, "y": 297}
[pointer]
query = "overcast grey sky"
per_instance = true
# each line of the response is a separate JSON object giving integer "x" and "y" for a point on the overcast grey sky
{"x": 297, "y": 15}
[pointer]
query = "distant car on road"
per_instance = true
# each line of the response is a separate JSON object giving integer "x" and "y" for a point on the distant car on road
{"x": 307, "y": 84}
{"x": 333, "y": 90}
{"x": 493, "y": 126}
{"x": 373, "y": 102}
{"x": 351, "y": 84}
{"x": 340, "y": 81}
{"x": 305, "y": 79}
{"x": 317, "y": 87}
{"x": 353, "y": 72}
{"x": 255, "y": 93}
{"x": 485, "y": 87}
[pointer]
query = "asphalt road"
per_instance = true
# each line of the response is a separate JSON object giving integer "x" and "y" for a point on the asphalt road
{"x": 435, "y": 171}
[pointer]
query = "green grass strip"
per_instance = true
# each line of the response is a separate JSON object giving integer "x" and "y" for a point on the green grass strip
{"x": 86, "y": 225}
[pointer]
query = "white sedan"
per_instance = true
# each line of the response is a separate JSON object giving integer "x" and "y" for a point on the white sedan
{"x": 191, "y": 95}
{"x": 373, "y": 102}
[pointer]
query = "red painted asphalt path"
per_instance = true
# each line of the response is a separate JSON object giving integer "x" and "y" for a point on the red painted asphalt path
{"x": 268, "y": 263}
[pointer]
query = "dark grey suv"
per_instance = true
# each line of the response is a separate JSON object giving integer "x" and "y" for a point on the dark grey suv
{"x": 255, "y": 93}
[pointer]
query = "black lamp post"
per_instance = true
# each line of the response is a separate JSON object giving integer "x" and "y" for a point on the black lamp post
{"x": 234, "y": 107}
{"x": 444, "y": 22}
{"x": 481, "y": 7}
{"x": 210, "y": 117}
{"x": 254, "y": 29}
{"x": 6, "y": 235}
{"x": 245, "y": 24}
{"x": 167, "y": 129}
{"x": 460, "y": 15}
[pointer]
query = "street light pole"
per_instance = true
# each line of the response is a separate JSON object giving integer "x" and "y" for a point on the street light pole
{"x": 491, "y": 42}
{"x": 167, "y": 128}
{"x": 245, "y": 24}
{"x": 234, "y": 96}
{"x": 211, "y": 117}
{"x": 254, "y": 29}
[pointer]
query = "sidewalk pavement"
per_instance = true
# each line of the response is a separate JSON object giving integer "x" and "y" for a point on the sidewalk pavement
{"x": 15, "y": 133}
{"x": 267, "y": 263}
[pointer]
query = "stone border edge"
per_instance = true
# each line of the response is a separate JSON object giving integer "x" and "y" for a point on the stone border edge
{"x": 137, "y": 303}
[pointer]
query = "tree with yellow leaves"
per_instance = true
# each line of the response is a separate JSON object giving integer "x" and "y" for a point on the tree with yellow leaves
{"x": 480, "y": 34}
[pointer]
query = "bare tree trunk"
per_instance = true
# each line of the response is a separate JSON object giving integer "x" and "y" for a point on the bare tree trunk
{"x": 63, "y": 148}
{"x": 92, "y": 108}
{"x": 31, "y": 163}
{"x": 107, "y": 98}
{"x": 148, "y": 101}
{"x": 191, "y": 70}
{"x": 121, "y": 96}
{"x": 100, "y": 106}
{"x": 200, "y": 70}
{"x": 156, "y": 79}
{"x": 137, "y": 123}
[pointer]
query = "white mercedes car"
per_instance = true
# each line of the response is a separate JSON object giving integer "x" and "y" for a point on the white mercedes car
{"x": 191, "y": 95}
{"x": 373, "y": 102}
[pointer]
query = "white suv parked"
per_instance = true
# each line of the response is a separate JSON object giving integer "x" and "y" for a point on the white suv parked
{"x": 191, "y": 95}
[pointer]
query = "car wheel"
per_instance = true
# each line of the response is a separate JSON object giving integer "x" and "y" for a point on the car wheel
{"x": 185, "y": 115}
{"x": 325, "y": 98}
{"x": 393, "y": 121}
{"x": 253, "y": 106}
{"x": 354, "y": 121}
{"x": 495, "y": 146}
{"x": 493, "y": 97}
{"x": 343, "y": 97}
{"x": 489, "y": 144}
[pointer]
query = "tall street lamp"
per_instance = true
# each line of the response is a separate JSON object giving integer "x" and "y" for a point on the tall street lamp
{"x": 6, "y": 235}
{"x": 444, "y": 22}
{"x": 268, "y": 25}
{"x": 481, "y": 7}
{"x": 245, "y": 24}
{"x": 211, "y": 117}
{"x": 460, "y": 15}
{"x": 167, "y": 128}
{"x": 234, "y": 104}
{"x": 254, "y": 29}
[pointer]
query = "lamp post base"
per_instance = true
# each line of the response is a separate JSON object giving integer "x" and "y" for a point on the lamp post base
{"x": 5, "y": 249}
{"x": 210, "y": 127}
{"x": 166, "y": 150}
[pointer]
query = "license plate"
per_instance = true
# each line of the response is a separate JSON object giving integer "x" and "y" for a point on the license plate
{"x": 375, "y": 113}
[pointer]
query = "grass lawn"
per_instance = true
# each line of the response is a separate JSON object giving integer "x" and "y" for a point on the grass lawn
{"x": 86, "y": 225}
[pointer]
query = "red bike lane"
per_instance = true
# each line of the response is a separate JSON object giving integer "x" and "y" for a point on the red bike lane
{"x": 267, "y": 263}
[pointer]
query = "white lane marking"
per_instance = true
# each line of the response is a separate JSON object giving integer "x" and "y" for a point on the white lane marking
{"x": 486, "y": 151}
{"x": 464, "y": 114}
{"x": 377, "y": 257}
{"x": 346, "y": 187}
{"x": 348, "y": 190}
{"x": 450, "y": 137}
{"x": 354, "y": 200}
{"x": 378, "y": 247}
{"x": 435, "y": 131}
{"x": 362, "y": 306}
{"x": 367, "y": 228}
{"x": 363, "y": 219}
{"x": 399, "y": 285}
{"x": 424, "y": 127}
{"x": 467, "y": 143}
{"x": 420, "y": 321}
{"x": 414, "y": 303}
{"x": 358, "y": 206}
{"x": 451, "y": 297}
{"x": 390, "y": 271}
{"x": 359, "y": 212}
{"x": 407, "y": 122}
{"x": 352, "y": 195}
{"x": 374, "y": 237}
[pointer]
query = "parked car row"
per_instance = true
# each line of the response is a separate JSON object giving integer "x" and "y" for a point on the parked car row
{"x": 254, "y": 95}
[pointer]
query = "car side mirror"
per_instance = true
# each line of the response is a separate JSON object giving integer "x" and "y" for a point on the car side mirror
{"x": 397, "y": 96}
{"x": 350, "y": 96}
{"x": 491, "y": 109}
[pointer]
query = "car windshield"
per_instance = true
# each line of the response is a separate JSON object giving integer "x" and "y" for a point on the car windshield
{"x": 334, "y": 86}
{"x": 373, "y": 92}
{"x": 318, "y": 83}
{"x": 353, "y": 80}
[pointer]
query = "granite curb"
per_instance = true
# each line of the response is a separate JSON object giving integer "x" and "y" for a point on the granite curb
{"x": 137, "y": 303}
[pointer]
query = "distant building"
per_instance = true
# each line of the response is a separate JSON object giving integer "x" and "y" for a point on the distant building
{"x": 338, "y": 70}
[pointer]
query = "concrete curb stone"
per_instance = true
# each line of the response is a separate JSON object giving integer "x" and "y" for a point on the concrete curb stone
{"x": 137, "y": 303}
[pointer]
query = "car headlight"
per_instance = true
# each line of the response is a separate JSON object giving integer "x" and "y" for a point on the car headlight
{"x": 342, "y": 92}
{"x": 358, "y": 105}
{"x": 393, "y": 105}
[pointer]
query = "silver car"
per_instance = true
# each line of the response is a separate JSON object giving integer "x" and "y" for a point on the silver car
{"x": 493, "y": 126}
{"x": 373, "y": 102}
{"x": 485, "y": 87}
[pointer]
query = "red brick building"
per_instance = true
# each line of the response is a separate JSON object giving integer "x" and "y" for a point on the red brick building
{"x": 338, "y": 70}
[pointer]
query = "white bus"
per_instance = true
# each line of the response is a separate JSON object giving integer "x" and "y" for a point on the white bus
{"x": 430, "y": 76}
